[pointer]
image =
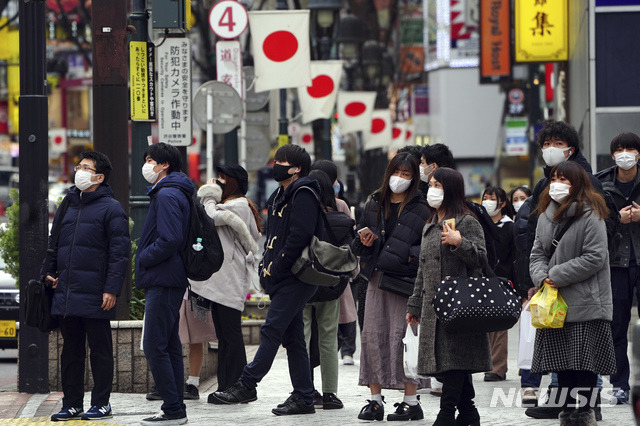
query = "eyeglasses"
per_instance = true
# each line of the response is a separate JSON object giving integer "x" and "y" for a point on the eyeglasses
{"x": 84, "y": 167}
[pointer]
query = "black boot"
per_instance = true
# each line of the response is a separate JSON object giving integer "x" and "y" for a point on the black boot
{"x": 550, "y": 408}
{"x": 469, "y": 415}
{"x": 468, "y": 418}
{"x": 445, "y": 418}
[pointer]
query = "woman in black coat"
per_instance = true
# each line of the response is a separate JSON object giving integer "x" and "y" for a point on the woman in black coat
{"x": 390, "y": 231}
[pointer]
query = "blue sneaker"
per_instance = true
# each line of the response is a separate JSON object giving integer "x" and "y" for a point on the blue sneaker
{"x": 67, "y": 413}
{"x": 620, "y": 397}
{"x": 98, "y": 412}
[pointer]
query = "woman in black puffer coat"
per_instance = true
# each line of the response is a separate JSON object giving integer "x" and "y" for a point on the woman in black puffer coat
{"x": 395, "y": 216}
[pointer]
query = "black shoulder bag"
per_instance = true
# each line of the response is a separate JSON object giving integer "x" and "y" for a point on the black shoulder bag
{"x": 39, "y": 292}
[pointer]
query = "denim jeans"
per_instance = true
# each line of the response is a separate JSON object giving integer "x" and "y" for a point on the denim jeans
{"x": 623, "y": 282}
{"x": 162, "y": 345}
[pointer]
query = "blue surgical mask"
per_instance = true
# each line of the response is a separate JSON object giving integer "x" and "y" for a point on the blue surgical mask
{"x": 336, "y": 188}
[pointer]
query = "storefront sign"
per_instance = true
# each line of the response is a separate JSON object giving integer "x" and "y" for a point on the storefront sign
{"x": 541, "y": 31}
{"x": 142, "y": 82}
{"x": 495, "y": 49}
{"x": 229, "y": 64}
{"x": 516, "y": 137}
{"x": 174, "y": 91}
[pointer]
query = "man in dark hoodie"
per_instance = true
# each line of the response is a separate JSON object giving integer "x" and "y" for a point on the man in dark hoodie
{"x": 161, "y": 273}
{"x": 88, "y": 267}
{"x": 293, "y": 219}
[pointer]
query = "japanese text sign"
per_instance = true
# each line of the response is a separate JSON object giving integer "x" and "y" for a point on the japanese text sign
{"x": 541, "y": 31}
{"x": 141, "y": 76}
{"x": 229, "y": 64}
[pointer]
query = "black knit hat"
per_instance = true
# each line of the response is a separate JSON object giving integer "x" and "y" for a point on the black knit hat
{"x": 237, "y": 172}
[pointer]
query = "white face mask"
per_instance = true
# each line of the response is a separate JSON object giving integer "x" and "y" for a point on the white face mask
{"x": 399, "y": 185}
{"x": 83, "y": 179}
{"x": 149, "y": 174}
{"x": 554, "y": 156}
{"x": 625, "y": 160}
{"x": 425, "y": 171}
{"x": 517, "y": 205}
{"x": 435, "y": 197}
{"x": 491, "y": 207}
{"x": 558, "y": 191}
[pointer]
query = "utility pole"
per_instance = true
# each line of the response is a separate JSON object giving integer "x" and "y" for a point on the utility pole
{"x": 283, "y": 121}
{"x": 33, "y": 349}
{"x": 110, "y": 101}
{"x": 140, "y": 131}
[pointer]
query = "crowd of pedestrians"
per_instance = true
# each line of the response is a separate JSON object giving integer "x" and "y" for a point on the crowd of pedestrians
{"x": 414, "y": 231}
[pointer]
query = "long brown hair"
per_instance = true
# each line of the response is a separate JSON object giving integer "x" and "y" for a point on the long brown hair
{"x": 402, "y": 161}
{"x": 453, "y": 188}
{"x": 581, "y": 192}
{"x": 232, "y": 191}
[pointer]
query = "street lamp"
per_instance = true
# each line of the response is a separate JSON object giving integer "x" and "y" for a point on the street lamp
{"x": 324, "y": 16}
{"x": 372, "y": 63}
{"x": 350, "y": 36}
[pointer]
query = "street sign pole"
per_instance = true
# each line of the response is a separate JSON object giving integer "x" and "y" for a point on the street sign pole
{"x": 209, "y": 134}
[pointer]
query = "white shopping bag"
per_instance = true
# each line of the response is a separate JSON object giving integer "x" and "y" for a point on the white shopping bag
{"x": 527, "y": 339}
{"x": 410, "y": 356}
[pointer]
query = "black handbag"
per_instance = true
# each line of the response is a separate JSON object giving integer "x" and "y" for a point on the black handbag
{"x": 39, "y": 294}
{"x": 476, "y": 304}
{"x": 402, "y": 286}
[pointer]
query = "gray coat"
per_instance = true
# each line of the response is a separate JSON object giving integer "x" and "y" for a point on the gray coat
{"x": 440, "y": 351}
{"x": 580, "y": 265}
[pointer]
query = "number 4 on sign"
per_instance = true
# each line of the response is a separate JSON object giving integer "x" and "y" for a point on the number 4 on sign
{"x": 228, "y": 19}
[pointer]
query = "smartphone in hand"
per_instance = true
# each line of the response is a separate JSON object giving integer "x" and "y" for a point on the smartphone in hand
{"x": 451, "y": 222}
{"x": 366, "y": 231}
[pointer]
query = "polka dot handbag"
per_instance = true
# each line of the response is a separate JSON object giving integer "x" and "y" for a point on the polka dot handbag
{"x": 476, "y": 304}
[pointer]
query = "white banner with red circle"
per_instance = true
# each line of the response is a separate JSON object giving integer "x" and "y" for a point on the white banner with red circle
{"x": 319, "y": 99}
{"x": 410, "y": 134}
{"x": 398, "y": 132}
{"x": 380, "y": 131}
{"x": 354, "y": 110}
{"x": 281, "y": 53}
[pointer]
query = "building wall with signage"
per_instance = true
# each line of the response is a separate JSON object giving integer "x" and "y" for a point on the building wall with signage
{"x": 464, "y": 114}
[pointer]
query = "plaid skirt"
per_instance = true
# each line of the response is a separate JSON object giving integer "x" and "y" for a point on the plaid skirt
{"x": 582, "y": 346}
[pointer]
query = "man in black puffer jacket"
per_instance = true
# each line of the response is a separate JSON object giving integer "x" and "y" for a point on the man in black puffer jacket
{"x": 88, "y": 267}
{"x": 292, "y": 222}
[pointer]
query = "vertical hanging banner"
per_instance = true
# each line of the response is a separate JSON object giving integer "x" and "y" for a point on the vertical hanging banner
{"x": 495, "y": 36}
{"x": 174, "y": 91}
{"x": 319, "y": 99}
{"x": 379, "y": 133}
{"x": 398, "y": 131}
{"x": 281, "y": 52}
{"x": 141, "y": 79}
{"x": 229, "y": 64}
{"x": 541, "y": 31}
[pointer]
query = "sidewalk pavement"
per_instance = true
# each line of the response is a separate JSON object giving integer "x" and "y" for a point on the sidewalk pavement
{"x": 129, "y": 409}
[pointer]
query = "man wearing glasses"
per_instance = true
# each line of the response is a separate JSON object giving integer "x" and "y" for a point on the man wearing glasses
{"x": 89, "y": 264}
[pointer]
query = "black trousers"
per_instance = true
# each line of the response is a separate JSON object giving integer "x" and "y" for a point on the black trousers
{"x": 232, "y": 357}
{"x": 76, "y": 332}
{"x": 581, "y": 384}
{"x": 457, "y": 392}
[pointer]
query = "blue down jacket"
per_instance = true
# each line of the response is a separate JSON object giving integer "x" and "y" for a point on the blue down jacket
{"x": 158, "y": 261}
{"x": 92, "y": 254}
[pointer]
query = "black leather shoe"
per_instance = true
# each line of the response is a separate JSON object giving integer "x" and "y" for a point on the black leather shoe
{"x": 372, "y": 411}
{"x": 331, "y": 402}
{"x": 406, "y": 412}
{"x": 493, "y": 377}
{"x": 543, "y": 412}
{"x": 191, "y": 392}
{"x": 286, "y": 401}
{"x": 294, "y": 405}
{"x": 237, "y": 393}
{"x": 470, "y": 418}
{"x": 154, "y": 396}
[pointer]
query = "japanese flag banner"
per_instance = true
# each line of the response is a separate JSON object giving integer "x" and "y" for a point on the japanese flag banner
{"x": 302, "y": 136}
{"x": 398, "y": 132}
{"x": 319, "y": 99}
{"x": 380, "y": 132}
{"x": 410, "y": 135}
{"x": 354, "y": 110}
{"x": 281, "y": 53}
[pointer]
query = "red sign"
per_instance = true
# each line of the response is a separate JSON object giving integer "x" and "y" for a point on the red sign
{"x": 495, "y": 50}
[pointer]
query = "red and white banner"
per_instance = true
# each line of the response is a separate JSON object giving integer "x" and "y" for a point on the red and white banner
{"x": 319, "y": 99}
{"x": 58, "y": 141}
{"x": 303, "y": 136}
{"x": 380, "y": 132}
{"x": 410, "y": 135}
{"x": 354, "y": 111}
{"x": 398, "y": 134}
{"x": 281, "y": 53}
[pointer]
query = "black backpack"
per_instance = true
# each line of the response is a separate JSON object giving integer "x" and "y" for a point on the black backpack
{"x": 202, "y": 252}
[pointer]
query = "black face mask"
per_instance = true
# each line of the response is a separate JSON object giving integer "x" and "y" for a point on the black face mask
{"x": 281, "y": 172}
{"x": 220, "y": 184}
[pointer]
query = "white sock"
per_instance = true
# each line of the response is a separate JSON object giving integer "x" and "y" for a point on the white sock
{"x": 377, "y": 397}
{"x": 193, "y": 380}
{"x": 411, "y": 399}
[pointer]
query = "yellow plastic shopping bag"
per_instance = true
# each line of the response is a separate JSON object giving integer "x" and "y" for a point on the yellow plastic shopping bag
{"x": 548, "y": 308}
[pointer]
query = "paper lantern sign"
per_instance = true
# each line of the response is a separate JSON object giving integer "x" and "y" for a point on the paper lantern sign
{"x": 354, "y": 111}
{"x": 280, "y": 43}
{"x": 380, "y": 132}
{"x": 318, "y": 100}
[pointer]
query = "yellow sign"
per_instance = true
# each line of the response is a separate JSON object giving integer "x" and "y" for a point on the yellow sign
{"x": 7, "y": 329}
{"x": 541, "y": 31}
{"x": 142, "y": 81}
{"x": 283, "y": 140}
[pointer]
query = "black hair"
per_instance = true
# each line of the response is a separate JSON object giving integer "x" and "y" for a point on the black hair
{"x": 163, "y": 153}
{"x": 439, "y": 154}
{"x": 101, "y": 161}
{"x": 414, "y": 150}
{"x": 524, "y": 189}
{"x": 401, "y": 161}
{"x": 329, "y": 167}
{"x": 559, "y": 130}
{"x": 453, "y": 188}
{"x": 327, "y": 197}
{"x": 626, "y": 140}
{"x": 501, "y": 197}
{"x": 296, "y": 156}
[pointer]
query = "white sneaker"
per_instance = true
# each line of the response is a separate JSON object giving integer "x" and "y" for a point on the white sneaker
{"x": 162, "y": 419}
{"x": 529, "y": 396}
{"x": 347, "y": 360}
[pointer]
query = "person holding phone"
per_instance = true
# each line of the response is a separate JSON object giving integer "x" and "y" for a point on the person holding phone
{"x": 388, "y": 241}
{"x": 456, "y": 252}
